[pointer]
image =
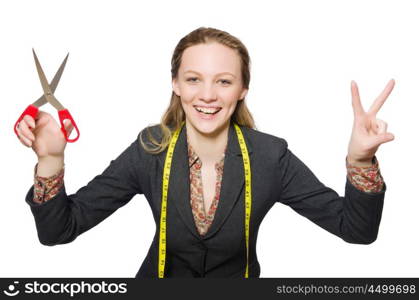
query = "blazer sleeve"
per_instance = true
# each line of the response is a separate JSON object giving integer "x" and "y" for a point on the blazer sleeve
{"x": 355, "y": 217}
{"x": 62, "y": 218}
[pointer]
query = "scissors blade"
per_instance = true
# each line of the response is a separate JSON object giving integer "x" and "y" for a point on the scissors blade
{"x": 57, "y": 75}
{"x": 53, "y": 85}
{"x": 45, "y": 86}
{"x": 54, "y": 102}
{"x": 41, "y": 101}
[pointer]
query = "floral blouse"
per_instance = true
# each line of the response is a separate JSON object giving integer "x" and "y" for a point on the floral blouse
{"x": 367, "y": 179}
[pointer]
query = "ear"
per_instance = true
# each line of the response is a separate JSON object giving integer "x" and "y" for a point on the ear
{"x": 175, "y": 87}
{"x": 243, "y": 94}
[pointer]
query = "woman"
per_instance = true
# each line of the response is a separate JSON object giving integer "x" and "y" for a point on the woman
{"x": 225, "y": 175}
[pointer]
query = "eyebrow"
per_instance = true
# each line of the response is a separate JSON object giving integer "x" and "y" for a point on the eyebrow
{"x": 192, "y": 71}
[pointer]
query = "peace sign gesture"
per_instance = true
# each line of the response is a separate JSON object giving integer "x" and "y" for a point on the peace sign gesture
{"x": 368, "y": 133}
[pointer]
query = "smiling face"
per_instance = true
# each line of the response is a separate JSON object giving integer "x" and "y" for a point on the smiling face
{"x": 209, "y": 84}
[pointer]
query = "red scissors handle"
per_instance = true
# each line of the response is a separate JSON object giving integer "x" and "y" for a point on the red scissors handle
{"x": 63, "y": 114}
{"x": 31, "y": 110}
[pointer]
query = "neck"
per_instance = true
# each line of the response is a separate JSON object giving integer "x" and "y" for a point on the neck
{"x": 210, "y": 147}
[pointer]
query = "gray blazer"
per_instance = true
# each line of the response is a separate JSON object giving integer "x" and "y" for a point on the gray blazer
{"x": 277, "y": 176}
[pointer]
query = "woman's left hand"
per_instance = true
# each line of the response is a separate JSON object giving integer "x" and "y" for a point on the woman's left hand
{"x": 368, "y": 133}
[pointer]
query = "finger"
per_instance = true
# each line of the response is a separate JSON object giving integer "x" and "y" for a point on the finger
{"x": 30, "y": 121}
{"x": 25, "y": 131}
{"x": 42, "y": 121}
{"x": 384, "y": 138}
{"x": 68, "y": 126}
{"x": 356, "y": 101}
{"x": 381, "y": 127}
{"x": 39, "y": 115}
{"x": 376, "y": 126}
{"x": 379, "y": 101}
{"x": 25, "y": 141}
{"x": 43, "y": 116}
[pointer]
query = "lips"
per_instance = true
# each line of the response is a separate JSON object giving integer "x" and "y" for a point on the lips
{"x": 209, "y": 110}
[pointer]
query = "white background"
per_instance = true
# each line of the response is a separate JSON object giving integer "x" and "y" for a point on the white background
{"x": 117, "y": 81}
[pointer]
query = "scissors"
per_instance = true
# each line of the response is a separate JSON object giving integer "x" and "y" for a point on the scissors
{"x": 48, "y": 96}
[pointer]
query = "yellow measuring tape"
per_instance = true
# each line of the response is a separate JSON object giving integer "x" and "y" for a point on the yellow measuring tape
{"x": 166, "y": 176}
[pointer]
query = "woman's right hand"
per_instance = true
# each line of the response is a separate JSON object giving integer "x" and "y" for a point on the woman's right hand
{"x": 43, "y": 135}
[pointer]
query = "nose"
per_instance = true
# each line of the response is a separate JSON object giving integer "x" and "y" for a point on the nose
{"x": 208, "y": 92}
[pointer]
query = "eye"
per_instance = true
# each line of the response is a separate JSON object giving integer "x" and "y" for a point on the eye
{"x": 224, "y": 81}
{"x": 195, "y": 79}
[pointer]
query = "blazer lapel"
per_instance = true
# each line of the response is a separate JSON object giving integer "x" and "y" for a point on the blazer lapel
{"x": 231, "y": 185}
{"x": 232, "y": 181}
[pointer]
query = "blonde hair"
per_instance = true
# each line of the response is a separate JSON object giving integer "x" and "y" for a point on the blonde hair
{"x": 174, "y": 115}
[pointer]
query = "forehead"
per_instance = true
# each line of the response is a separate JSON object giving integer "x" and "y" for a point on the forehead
{"x": 210, "y": 58}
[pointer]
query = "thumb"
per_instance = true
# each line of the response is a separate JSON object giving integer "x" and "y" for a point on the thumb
{"x": 68, "y": 126}
{"x": 385, "y": 138}
{"x": 42, "y": 121}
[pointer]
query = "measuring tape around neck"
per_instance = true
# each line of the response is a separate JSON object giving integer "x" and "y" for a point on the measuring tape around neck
{"x": 165, "y": 188}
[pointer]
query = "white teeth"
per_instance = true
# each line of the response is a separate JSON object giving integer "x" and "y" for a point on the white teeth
{"x": 208, "y": 110}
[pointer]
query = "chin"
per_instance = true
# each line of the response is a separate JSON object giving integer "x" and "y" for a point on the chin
{"x": 208, "y": 127}
{"x": 205, "y": 127}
